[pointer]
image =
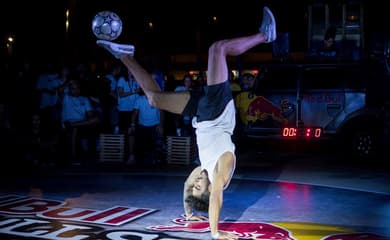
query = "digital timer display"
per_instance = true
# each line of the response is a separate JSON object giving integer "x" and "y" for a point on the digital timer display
{"x": 304, "y": 132}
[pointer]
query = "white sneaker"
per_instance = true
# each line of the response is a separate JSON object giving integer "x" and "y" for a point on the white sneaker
{"x": 268, "y": 25}
{"x": 118, "y": 50}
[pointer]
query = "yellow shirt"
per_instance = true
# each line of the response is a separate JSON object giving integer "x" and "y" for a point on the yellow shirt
{"x": 242, "y": 102}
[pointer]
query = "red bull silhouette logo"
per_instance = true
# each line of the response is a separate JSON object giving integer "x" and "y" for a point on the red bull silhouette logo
{"x": 264, "y": 112}
{"x": 244, "y": 230}
{"x": 257, "y": 230}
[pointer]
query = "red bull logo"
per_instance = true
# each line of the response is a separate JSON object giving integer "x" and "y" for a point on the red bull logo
{"x": 245, "y": 230}
{"x": 38, "y": 218}
{"x": 267, "y": 231}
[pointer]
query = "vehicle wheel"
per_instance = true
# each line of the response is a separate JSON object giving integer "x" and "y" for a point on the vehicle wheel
{"x": 364, "y": 144}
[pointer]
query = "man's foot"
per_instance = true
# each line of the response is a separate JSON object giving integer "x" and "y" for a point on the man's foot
{"x": 118, "y": 50}
{"x": 268, "y": 25}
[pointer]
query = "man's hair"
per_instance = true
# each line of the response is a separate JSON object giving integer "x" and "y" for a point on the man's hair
{"x": 195, "y": 203}
{"x": 199, "y": 204}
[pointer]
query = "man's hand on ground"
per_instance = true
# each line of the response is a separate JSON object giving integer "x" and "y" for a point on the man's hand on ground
{"x": 197, "y": 218}
{"x": 221, "y": 235}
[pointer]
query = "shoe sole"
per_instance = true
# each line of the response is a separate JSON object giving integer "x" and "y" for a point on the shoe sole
{"x": 117, "y": 48}
{"x": 271, "y": 15}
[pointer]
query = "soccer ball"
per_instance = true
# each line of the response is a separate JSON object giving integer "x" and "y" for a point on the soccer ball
{"x": 107, "y": 25}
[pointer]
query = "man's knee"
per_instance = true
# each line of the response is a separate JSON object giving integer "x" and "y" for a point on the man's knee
{"x": 152, "y": 98}
{"x": 217, "y": 48}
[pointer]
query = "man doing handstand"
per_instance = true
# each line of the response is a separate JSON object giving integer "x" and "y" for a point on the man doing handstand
{"x": 213, "y": 114}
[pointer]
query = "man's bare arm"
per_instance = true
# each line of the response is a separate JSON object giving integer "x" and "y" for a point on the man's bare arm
{"x": 216, "y": 198}
{"x": 222, "y": 176}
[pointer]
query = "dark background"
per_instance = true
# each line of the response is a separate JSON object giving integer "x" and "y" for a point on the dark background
{"x": 183, "y": 27}
{"x": 180, "y": 27}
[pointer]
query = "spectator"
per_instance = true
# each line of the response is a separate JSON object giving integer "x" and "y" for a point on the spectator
{"x": 127, "y": 89}
{"x": 247, "y": 81}
{"x": 110, "y": 113}
{"x": 329, "y": 44}
{"x": 48, "y": 85}
{"x": 79, "y": 122}
{"x": 183, "y": 122}
{"x": 234, "y": 84}
{"x": 148, "y": 131}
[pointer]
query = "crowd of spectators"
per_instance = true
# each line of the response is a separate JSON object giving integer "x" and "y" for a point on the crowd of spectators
{"x": 53, "y": 114}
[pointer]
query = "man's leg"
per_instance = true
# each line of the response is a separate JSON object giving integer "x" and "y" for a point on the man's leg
{"x": 125, "y": 53}
{"x": 144, "y": 79}
{"x": 218, "y": 71}
{"x": 174, "y": 102}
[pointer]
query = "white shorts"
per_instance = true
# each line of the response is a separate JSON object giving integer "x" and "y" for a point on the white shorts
{"x": 214, "y": 138}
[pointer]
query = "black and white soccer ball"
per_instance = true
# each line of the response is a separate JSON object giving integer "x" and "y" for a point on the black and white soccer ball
{"x": 107, "y": 25}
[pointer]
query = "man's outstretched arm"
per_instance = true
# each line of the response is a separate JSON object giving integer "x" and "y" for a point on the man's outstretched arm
{"x": 215, "y": 205}
{"x": 222, "y": 177}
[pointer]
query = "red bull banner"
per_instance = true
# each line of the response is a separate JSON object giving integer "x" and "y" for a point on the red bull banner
{"x": 28, "y": 218}
{"x": 270, "y": 231}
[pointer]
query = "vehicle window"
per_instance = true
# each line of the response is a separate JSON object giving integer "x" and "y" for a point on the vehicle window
{"x": 333, "y": 78}
{"x": 276, "y": 78}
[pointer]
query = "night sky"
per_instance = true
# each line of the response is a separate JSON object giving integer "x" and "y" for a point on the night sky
{"x": 180, "y": 27}
{"x": 186, "y": 26}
